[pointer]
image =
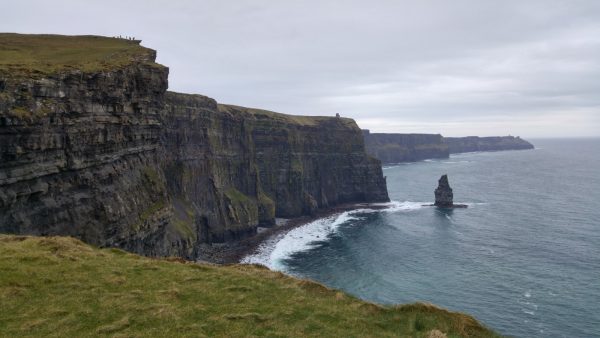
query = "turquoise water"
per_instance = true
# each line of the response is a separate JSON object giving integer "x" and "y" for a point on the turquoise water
{"x": 524, "y": 258}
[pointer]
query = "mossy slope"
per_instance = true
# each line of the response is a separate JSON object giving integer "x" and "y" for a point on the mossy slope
{"x": 58, "y": 286}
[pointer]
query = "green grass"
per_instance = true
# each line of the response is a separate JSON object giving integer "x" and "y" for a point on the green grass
{"x": 236, "y": 196}
{"x": 58, "y": 286}
{"x": 152, "y": 209}
{"x": 245, "y": 208}
{"x": 294, "y": 119}
{"x": 31, "y": 55}
{"x": 184, "y": 227}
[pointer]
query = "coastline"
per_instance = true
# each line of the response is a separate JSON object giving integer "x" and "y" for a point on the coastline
{"x": 234, "y": 252}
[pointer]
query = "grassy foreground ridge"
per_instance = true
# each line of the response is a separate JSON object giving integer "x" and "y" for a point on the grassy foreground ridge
{"x": 59, "y": 286}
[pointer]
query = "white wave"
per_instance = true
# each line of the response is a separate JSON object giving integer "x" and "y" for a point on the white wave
{"x": 395, "y": 206}
{"x": 396, "y": 165}
{"x": 527, "y": 294}
{"x": 532, "y": 313}
{"x": 472, "y": 204}
{"x": 273, "y": 252}
{"x": 262, "y": 255}
{"x": 455, "y": 162}
{"x": 531, "y": 305}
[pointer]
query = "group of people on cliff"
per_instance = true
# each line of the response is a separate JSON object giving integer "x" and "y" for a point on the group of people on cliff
{"x": 125, "y": 37}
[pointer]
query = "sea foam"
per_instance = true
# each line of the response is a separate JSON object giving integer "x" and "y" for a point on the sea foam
{"x": 274, "y": 251}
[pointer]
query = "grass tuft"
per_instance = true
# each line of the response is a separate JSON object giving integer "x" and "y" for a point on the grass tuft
{"x": 247, "y": 316}
{"x": 114, "y": 327}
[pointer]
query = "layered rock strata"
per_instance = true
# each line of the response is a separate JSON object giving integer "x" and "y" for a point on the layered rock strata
{"x": 104, "y": 153}
{"x": 397, "y": 148}
{"x": 492, "y": 143}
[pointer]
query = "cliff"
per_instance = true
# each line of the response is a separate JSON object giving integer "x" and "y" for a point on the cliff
{"x": 93, "y": 146}
{"x": 242, "y": 167}
{"x": 494, "y": 143}
{"x": 396, "y": 148}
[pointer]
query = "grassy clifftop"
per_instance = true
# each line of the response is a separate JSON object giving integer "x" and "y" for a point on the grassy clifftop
{"x": 302, "y": 120}
{"x": 59, "y": 286}
{"x": 24, "y": 54}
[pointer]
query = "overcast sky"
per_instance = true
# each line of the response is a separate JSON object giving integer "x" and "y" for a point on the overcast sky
{"x": 460, "y": 67}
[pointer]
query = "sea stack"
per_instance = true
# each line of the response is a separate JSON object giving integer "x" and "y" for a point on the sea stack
{"x": 444, "y": 196}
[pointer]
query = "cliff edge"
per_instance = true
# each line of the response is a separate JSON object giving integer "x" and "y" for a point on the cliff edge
{"x": 93, "y": 146}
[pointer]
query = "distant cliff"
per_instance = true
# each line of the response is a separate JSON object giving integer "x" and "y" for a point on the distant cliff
{"x": 396, "y": 148}
{"x": 93, "y": 146}
{"x": 494, "y": 143}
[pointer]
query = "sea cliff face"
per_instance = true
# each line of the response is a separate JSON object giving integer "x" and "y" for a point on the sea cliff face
{"x": 78, "y": 155}
{"x": 494, "y": 143}
{"x": 243, "y": 167}
{"x": 396, "y": 148}
{"x": 104, "y": 153}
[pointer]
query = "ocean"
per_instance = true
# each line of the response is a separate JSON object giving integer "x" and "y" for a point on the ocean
{"x": 523, "y": 258}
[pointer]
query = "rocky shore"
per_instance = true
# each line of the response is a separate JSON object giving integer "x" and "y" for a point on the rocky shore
{"x": 233, "y": 252}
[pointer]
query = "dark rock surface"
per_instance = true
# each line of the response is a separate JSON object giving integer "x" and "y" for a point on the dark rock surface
{"x": 397, "y": 148}
{"x": 114, "y": 159}
{"x": 493, "y": 143}
{"x": 443, "y": 193}
{"x": 444, "y": 198}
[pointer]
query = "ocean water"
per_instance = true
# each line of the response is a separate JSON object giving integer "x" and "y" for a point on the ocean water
{"x": 524, "y": 258}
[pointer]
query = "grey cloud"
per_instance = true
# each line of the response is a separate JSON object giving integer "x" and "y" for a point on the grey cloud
{"x": 457, "y": 67}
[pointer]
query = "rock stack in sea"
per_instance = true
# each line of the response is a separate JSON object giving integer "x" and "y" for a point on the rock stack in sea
{"x": 444, "y": 196}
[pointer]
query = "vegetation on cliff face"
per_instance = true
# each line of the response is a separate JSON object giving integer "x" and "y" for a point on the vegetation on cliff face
{"x": 46, "y": 54}
{"x": 58, "y": 286}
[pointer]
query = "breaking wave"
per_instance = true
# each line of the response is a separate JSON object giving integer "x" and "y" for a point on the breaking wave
{"x": 274, "y": 251}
